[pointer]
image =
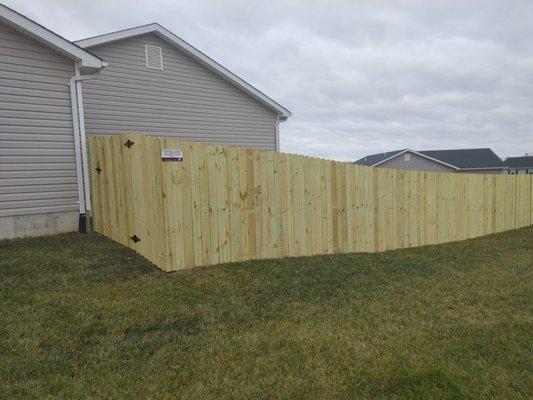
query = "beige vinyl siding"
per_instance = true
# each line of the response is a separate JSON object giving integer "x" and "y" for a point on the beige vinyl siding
{"x": 37, "y": 162}
{"x": 183, "y": 100}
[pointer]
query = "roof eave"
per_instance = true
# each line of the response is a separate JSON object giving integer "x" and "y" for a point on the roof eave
{"x": 49, "y": 38}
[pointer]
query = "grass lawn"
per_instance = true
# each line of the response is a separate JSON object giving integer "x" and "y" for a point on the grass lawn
{"x": 83, "y": 317}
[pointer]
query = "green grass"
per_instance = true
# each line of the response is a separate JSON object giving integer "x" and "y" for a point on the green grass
{"x": 83, "y": 317}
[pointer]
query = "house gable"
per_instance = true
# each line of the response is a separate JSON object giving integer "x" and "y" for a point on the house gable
{"x": 183, "y": 99}
{"x": 412, "y": 160}
{"x": 192, "y": 52}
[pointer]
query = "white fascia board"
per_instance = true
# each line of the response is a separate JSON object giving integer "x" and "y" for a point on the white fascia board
{"x": 49, "y": 38}
{"x": 193, "y": 53}
{"x": 391, "y": 157}
{"x": 418, "y": 154}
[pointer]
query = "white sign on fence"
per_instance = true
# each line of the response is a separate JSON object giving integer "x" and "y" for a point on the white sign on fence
{"x": 171, "y": 155}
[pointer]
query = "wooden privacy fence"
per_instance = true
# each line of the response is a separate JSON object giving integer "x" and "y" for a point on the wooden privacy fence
{"x": 222, "y": 204}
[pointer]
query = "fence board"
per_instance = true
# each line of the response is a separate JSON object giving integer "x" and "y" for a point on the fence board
{"x": 222, "y": 204}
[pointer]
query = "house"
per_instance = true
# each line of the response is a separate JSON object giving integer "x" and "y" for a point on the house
{"x": 53, "y": 92}
{"x": 519, "y": 165}
{"x": 480, "y": 161}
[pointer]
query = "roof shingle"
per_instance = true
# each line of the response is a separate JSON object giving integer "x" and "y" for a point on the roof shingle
{"x": 466, "y": 158}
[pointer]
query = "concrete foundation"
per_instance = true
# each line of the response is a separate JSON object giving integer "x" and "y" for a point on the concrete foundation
{"x": 38, "y": 224}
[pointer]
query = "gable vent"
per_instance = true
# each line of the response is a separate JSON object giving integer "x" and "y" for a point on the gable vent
{"x": 154, "y": 56}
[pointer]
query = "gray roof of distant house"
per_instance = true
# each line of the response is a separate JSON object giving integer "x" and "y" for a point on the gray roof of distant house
{"x": 373, "y": 159}
{"x": 517, "y": 162}
{"x": 466, "y": 158}
{"x": 460, "y": 158}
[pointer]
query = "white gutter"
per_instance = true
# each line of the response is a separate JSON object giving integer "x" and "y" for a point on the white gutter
{"x": 80, "y": 142}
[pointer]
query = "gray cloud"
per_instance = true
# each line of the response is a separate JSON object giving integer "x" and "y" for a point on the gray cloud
{"x": 359, "y": 76}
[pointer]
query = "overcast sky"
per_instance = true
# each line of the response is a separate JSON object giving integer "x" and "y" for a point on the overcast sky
{"x": 360, "y": 77}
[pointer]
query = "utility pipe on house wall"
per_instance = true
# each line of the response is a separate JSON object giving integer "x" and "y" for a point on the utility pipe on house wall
{"x": 77, "y": 148}
{"x": 278, "y": 144}
{"x": 80, "y": 144}
{"x": 83, "y": 144}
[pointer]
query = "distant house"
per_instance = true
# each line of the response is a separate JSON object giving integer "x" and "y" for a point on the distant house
{"x": 519, "y": 165}
{"x": 53, "y": 92}
{"x": 480, "y": 161}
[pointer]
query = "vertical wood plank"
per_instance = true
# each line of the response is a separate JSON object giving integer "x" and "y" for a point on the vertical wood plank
{"x": 213, "y": 175}
{"x": 193, "y": 152}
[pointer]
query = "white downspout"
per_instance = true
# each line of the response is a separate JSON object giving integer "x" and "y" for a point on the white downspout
{"x": 277, "y": 134}
{"x": 83, "y": 144}
{"x": 77, "y": 147}
{"x": 80, "y": 141}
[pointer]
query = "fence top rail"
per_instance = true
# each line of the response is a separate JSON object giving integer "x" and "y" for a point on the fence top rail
{"x": 132, "y": 135}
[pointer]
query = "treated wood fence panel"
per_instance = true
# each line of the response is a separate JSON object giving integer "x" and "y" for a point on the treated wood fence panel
{"x": 223, "y": 204}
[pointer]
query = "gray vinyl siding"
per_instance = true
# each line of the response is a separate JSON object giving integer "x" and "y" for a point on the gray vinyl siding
{"x": 37, "y": 162}
{"x": 416, "y": 162}
{"x": 183, "y": 100}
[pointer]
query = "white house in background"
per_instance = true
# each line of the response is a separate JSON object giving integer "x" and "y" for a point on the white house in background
{"x": 144, "y": 79}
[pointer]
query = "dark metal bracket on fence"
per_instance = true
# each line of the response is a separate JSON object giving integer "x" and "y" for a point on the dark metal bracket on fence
{"x": 135, "y": 238}
{"x": 129, "y": 143}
